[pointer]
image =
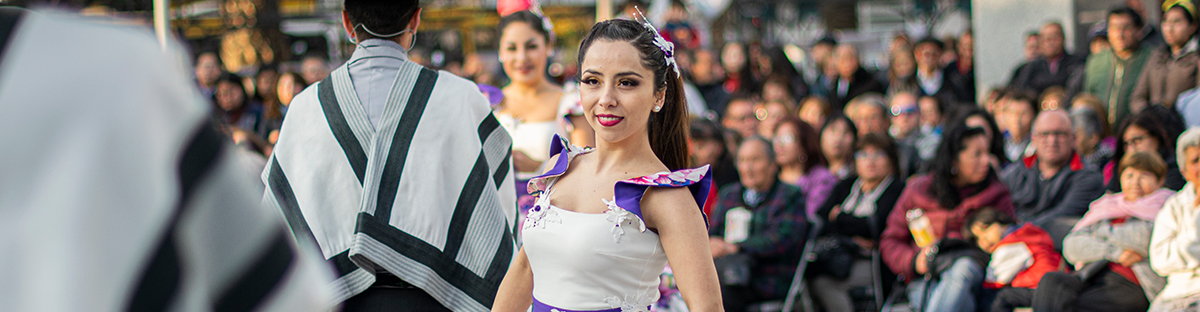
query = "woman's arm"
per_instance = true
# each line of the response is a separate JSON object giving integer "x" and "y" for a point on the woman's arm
{"x": 1169, "y": 252}
{"x": 1090, "y": 244}
{"x": 1133, "y": 235}
{"x": 681, "y": 229}
{"x": 516, "y": 291}
{"x": 896, "y": 245}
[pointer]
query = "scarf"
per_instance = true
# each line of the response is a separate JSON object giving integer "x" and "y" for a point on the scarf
{"x": 1113, "y": 206}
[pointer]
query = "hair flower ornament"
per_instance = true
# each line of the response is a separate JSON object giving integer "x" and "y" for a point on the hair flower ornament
{"x": 667, "y": 47}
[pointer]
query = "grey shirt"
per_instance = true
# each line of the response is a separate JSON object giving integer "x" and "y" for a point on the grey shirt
{"x": 373, "y": 69}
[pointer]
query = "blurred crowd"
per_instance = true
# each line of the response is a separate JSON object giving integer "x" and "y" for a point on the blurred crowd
{"x": 1073, "y": 187}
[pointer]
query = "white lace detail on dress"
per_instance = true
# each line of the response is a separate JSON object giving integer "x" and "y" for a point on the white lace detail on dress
{"x": 632, "y": 303}
{"x": 541, "y": 214}
{"x": 618, "y": 216}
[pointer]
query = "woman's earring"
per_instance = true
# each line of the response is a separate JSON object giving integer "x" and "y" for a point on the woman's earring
{"x": 657, "y": 108}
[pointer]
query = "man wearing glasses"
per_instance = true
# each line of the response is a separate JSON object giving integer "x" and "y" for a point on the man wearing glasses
{"x": 1052, "y": 183}
{"x": 906, "y": 125}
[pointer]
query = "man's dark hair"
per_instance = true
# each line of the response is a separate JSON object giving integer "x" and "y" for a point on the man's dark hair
{"x": 931, "y": 40}
{"x": 1124, "y": 10}
{"x": 381, "y": 17}
{"x": 206, "y": 52}
{"x": 1028, "y": 97}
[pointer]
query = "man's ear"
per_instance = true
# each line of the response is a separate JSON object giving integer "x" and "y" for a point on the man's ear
{"x": 415, "y": 21}
{"x": 346, "y": 25}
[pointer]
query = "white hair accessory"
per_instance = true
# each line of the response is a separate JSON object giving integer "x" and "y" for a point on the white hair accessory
{"x": 536, "y": 9}
{"x": 667, "y": 47}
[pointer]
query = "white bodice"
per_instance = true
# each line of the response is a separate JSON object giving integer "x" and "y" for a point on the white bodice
{"x": 531, "y": 137}
{"x": 602, "y": 261}
{"x": 580, "y": 262}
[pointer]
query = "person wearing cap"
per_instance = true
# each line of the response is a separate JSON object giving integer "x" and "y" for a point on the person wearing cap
{"x": 931, "y": 76}
{"x": 1053, "y": 66}
{"x": 1171, "y": 69}
{"x": 1112, "y": 74}
{"x": 413, "y": 213}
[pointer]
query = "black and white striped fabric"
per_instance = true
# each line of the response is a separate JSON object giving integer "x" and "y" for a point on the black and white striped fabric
{"x": 115, "y": 191}
{"x": 425, "y": 196}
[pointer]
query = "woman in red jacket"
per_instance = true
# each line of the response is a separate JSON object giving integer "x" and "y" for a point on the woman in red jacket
{"x": 960, "y": 182}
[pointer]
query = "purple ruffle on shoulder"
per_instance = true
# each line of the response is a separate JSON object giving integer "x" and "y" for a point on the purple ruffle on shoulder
{"x": 558, "y": 145}
{"x": 629, "y": 192}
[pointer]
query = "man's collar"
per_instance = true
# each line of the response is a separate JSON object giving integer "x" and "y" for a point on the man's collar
{"x": 378, "y": 47}
{"x": 1075, "y": 164}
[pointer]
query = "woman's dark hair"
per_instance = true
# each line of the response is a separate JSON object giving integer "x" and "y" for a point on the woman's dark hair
{"x": 236, "y": 80}
{"x": 381, "y": 17}
{"x": 953, "y": 142}
{"x": 745, "y": 75}
{"x": 830, "y": 120}
{"x": 808, "y": 139}
{"x": 1148, "y": 120}
{"x": 883, "y": 142}
{"x": 986, "y": 216}
{"x": 668, "y": 127}
{"x": 529, "y": 18}
{"x": 959, "y": 116}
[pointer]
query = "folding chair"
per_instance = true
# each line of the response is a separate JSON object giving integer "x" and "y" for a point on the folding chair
{"x": 798, "y": 287}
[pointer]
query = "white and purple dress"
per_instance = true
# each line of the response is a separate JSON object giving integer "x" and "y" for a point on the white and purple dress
{"x": 598, "y": 262}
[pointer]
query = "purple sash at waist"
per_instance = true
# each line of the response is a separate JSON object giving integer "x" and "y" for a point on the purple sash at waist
{"x": 538, "y": 306}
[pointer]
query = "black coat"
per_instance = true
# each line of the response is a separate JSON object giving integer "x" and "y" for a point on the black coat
{"x": 849, "y": 225}
{"x": 1036, "y": 75}
{"x": 861, "y": 83}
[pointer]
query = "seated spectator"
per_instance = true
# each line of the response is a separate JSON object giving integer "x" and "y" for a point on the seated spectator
{"x": 770, "y": 230}
{"x": 704, "y": 72}
{"x": 870, "y": 115}
{"x": 1053, "y": 98}
{"x": 905, "y": 118}
{"x": 707, "y": 147}
{"x": 931, "y": 75}
{"x": 1021, "y": 255}
{"x": 852, "y": 80}
{"x": 769, "y": 114}
{"x": 975, "y": 117}
{"x": 837, "y": 141}
{"x": 961, "y": 181}
{"x": 1020, "y": 110}
{"x": 739, "y": 116}
{"x": 858, "y": 208}
{"x": 902, "y": 72}
{"x": 961, "y": 71}
{"x": 1175, "y": 243}
{"x": 1093, "y": 141}
{"x": 1052, "y": 183}
{"x": 814, "y": 110}
{"x": 1122, "y": 64}
{"x": 236, "y": 114}
{"x": 1053, "y": 65}
{"x": 797, "y": 148}
{"x": 933, "y": 112}
{"x": 777, "y": 89}
{"x": 1144, "y": 132}
{"x": 1109, "y": 246}
{"x": 1171, "y": 68}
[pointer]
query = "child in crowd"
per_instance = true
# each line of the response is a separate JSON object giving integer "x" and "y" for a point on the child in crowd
{"x": 1021, "y": 254}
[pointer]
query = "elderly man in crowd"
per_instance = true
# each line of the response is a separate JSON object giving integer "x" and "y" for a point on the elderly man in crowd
{"x": 761, "y": 218}
{"x": 1053, "y": 182}
{"x": 739, "y": 116}
{"x": 1054, "y": 65}
{"x": 870, "y": 115}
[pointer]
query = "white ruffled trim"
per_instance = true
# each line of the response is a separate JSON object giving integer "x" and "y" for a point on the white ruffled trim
{"x": 541, "y": 214}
